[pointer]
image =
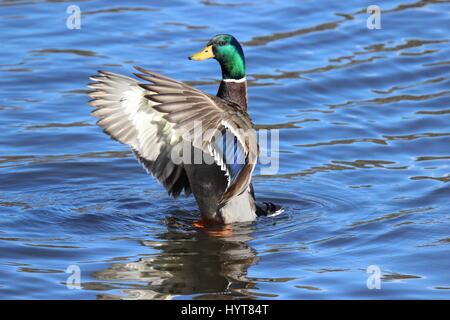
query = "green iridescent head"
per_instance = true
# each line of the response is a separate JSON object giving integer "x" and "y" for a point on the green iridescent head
{"x": 228, "y": 52}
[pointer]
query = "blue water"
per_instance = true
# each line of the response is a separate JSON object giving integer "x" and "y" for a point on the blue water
{"x": 364, "y": 152}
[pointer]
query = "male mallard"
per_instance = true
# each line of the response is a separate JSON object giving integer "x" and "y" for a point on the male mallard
{"x": 157, "y": 117}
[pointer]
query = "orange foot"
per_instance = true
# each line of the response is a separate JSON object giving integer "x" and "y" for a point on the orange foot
{"x": 214, "y": 230}
{"x": 200, "y": 224}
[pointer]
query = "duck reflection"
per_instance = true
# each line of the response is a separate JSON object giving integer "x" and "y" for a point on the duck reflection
{"x": 189, "y": 262}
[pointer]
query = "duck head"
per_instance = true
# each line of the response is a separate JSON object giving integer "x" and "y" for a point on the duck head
{"x": 228, "y": 52}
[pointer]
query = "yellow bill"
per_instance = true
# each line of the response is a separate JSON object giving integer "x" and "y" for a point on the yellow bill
{"x": 206, "y": 53}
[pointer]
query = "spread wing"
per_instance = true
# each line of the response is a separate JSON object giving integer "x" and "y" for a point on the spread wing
{"x": 127, "y": 116}
{"x": 227, "y": 132}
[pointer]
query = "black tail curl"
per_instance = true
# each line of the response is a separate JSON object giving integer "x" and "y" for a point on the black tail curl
{"x": 267, "y": 209}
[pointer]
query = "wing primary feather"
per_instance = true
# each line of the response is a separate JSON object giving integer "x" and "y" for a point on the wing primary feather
{"x": 128, "y": 117}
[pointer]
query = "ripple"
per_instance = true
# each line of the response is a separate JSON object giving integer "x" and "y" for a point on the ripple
{"x": 78, "y": 52}
{"x": 415, "y": 85}
{"x": 432, "y": 158}
{"x": 285, "y": 125}
{"x": 185, "y": 25}
{"x": 310, "y": 288}
{"x": 31, "y": 159}
{"x": 227, "y": 4}
{"x": 58, "y": 125}
{"x": 262, "y": 40}
{"x": 445, "y": 178}
{"x": 299, "y": 74}
{"x": 120, "y": 10}
{"x": 416, "y": 136}
{"x": 393, "y": 215}
{"x": 434, "y": 113}
{"x": 410, "y": 43}
{"x": 398, "y": 276}
{"x": 37, "y": 270}
{"x": 343, "y": 141}
{"x": 439, "y": 63}
{"x": 392, "y": 99}
{"x": 417, "y": 54}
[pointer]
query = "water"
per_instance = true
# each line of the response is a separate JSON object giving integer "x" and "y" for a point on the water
{"x": 364, "y": 161}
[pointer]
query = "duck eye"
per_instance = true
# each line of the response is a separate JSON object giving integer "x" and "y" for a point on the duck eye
{"x": 222, "y": 43}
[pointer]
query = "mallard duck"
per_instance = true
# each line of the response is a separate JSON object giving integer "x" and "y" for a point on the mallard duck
{"x": 156, "y": 118}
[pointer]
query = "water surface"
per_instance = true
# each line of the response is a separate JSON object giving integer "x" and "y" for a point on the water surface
{"x": 364, "y": 152}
